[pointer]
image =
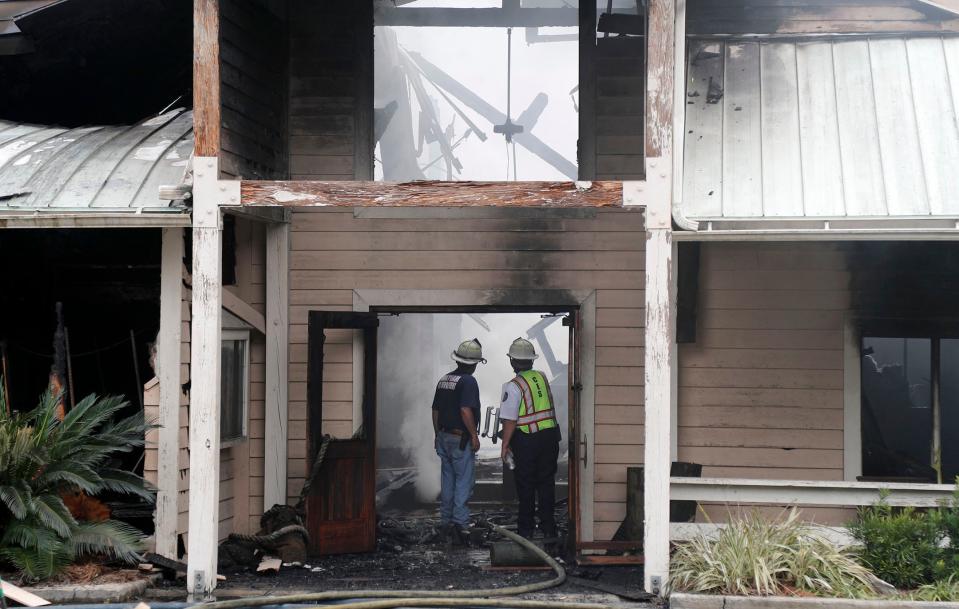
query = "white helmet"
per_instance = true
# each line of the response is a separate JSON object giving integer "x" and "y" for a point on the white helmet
{"x": 522, "y": 349}
{"x": 469, "y": 352}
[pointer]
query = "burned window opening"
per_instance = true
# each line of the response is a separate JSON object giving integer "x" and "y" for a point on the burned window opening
{"x": 910, "y": 406}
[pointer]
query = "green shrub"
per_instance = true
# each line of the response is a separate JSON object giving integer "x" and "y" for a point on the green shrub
{"x": 902, "y": 546}
{"x": 946, "y": 518}
{"x": 41, "y": 458}
{"x": 755, "y": 555}
{"x": 944, "y": 590}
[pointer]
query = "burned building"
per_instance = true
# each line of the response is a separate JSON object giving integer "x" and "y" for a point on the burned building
{"x": 752, "y": 244}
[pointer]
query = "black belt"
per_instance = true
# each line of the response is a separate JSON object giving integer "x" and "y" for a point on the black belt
{"x": 455, "y": 432}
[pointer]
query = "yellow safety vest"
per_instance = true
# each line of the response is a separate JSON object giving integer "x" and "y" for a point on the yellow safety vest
{"x": 536, "y": 410}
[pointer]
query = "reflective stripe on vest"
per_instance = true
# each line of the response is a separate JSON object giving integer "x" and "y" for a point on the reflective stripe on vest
{"x": 536, "y": 392}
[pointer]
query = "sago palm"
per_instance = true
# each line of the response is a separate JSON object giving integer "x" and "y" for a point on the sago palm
{"x": 41, "y": 459}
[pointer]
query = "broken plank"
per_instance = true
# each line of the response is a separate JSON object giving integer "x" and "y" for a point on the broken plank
{"x": 610, "y": 560}
{"x": 24, "y": 597}
{"x": 269, "y": 565}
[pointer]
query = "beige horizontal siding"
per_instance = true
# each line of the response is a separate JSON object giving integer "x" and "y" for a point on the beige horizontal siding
{"x": 241, "y": 465}
{"x": 761, "y": 389}
{"x": 333, "y": 252}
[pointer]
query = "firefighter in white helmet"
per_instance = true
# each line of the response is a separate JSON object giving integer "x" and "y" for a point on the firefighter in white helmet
{"x": 456, "y": 412}
{"x": 531, "y": 433}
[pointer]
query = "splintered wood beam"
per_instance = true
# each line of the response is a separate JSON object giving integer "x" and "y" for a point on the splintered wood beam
{"x": 432, "y": 194}
{"x": 206, "y": 78}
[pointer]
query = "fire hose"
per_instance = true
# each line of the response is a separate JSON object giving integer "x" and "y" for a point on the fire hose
{"x": 428, "y": 598}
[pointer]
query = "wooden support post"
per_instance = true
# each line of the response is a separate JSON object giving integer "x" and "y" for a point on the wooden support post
{"x": 277, "y": 329}
{"x": 168, "y": 372}
{"x": 205, "y": 379}
{"x": 660, "y": 297}
{"x": 660, "y": 347}
{"x": 206, "y": 78}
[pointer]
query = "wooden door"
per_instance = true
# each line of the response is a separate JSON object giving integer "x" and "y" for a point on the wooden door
{"x": 573, "y": 430}
{"x": 341, "y": 507}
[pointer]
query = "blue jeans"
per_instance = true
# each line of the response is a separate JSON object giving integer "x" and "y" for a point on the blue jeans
{"x": 457, "y": 478}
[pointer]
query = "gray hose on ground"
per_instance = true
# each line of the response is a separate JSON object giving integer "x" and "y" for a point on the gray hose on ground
{"x": 394, "y": 603}
{"x": 406, "y": 595}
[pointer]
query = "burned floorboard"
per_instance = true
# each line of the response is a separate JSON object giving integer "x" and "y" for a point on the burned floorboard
{"x": 432, "y": 194}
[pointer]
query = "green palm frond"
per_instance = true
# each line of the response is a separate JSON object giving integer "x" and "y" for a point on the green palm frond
{"x": 41, "y": 458}
{"x": 16, "y": 498}
{"x": 128, "y": 483}
{"x": 37, "y": 564}
{"x": 115, "y": 539}
{"x": 51, "y": 511}
{"x": 90, "y": 413}
{"x": 71, "y": 476}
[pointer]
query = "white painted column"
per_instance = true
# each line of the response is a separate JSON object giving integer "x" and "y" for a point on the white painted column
{"x": 277, "y": 330}
{"x": 205, "y": 380}
{"x": 660, "y": 346}
{"x": 168, "y": 371}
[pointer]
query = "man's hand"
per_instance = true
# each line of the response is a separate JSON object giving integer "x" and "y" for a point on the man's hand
{"x": 503, "y": 452}
{"x": 474, "y": 442}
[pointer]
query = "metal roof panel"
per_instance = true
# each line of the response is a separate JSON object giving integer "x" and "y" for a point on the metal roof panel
{"x": 111, "y": 167}
{"x": 828, "y": 128}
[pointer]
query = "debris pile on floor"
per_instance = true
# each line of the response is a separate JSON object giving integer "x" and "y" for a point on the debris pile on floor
{"x": 282, "y": 539}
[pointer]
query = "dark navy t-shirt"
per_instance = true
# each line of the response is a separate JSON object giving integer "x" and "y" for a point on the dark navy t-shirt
{"x": 454, "y": 391}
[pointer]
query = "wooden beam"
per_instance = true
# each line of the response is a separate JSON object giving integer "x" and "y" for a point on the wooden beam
{"x": 262, "y": 215}
{"x": 363, "y": 142}
{"x": 206, "y": 78}
{"x": 660, "y": 346}
{"x": 234, "y": 304}
{"x": 807, "y": 492}
{"x": 168, "y": 371}
{"x": 477, "y": 17}
{"x": 205, "y": 380}
{"x": 660, "y": 77}
{"x": 277, "y": 334}
{"x": 432, "y": 194}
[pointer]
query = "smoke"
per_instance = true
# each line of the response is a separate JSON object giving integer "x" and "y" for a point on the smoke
{"x": 414, "y": 352}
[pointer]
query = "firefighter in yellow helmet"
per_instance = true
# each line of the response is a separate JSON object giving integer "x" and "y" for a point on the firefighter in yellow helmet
{"x": 531, "y": 434}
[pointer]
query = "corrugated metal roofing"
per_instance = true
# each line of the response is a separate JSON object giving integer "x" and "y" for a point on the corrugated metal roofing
{"x": 93, "y": 168}
{"x": 862, "y": 128}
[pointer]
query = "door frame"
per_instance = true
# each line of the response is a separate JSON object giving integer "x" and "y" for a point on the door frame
{"x": 516, "y": 300}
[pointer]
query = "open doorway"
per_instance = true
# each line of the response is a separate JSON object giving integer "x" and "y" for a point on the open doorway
{"x": 389, "y": 468}
{"x": 413, "y": 352}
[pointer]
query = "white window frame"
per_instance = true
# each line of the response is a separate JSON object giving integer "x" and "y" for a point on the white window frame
{"x": 243, "y": 336}
{"x": 852, "y": 401}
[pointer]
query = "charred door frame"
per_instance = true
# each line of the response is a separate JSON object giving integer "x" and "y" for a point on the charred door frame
{"x": 582, "y": 305}
{"x": 362, "y": 448}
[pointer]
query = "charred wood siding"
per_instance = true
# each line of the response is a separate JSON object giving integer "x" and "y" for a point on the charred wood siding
{"x": 253, "y": 77}
{"x": 330, "y": 95}
{"x": 333, "y": 253}
{"x": 619, "y": 87}
{"x": 742, "y": 17}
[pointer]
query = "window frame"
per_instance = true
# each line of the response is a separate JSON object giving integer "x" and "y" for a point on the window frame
{"x": 243, "y": 337}
{"x": 855, "y": 329}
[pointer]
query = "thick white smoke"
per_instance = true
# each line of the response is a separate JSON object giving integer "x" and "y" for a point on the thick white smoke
{"x": 414, "y": 352}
